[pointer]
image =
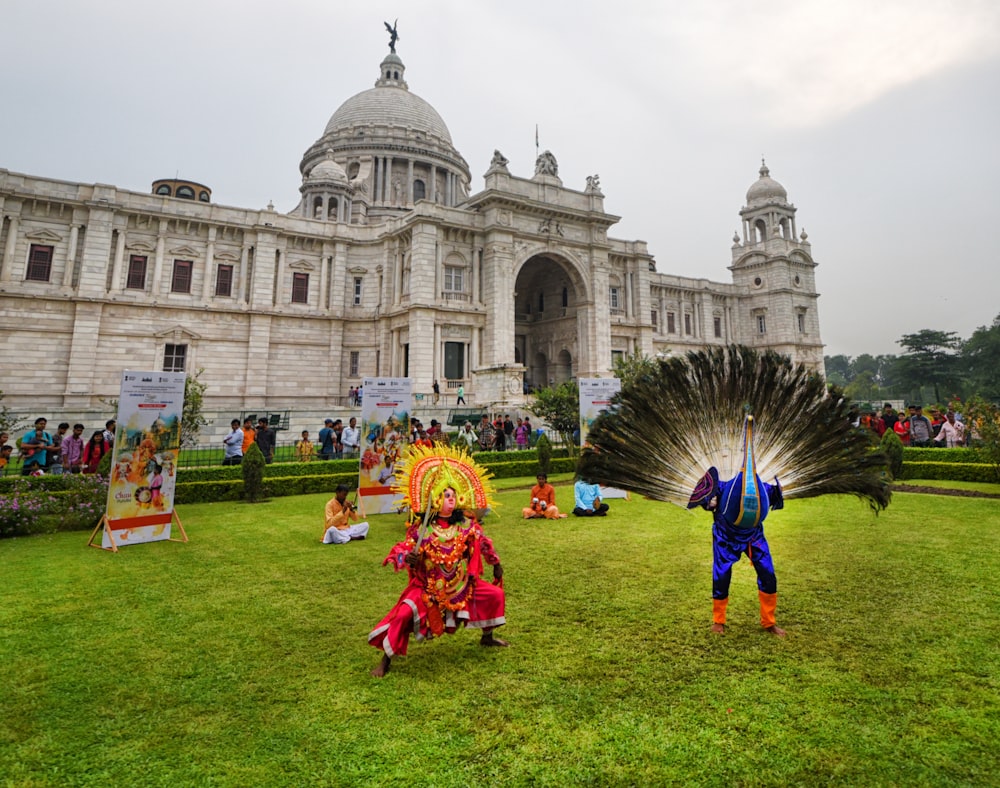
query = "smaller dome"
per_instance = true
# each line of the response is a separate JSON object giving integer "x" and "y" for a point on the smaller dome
{"x": 765, "y": 189}
{"x": 327, "y": 170}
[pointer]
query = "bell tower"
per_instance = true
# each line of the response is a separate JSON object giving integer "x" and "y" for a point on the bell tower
{"x": 774, "y": 268}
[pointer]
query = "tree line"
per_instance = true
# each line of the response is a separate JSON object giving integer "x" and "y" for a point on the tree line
{"x": 934, "y": 367}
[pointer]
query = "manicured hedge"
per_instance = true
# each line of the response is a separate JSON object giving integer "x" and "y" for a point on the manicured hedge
{"x": 950, "y": 471}
{"x": 960, "y": 454}
{"x": 274, "y": 487}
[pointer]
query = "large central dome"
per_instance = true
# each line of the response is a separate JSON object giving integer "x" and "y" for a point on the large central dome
{"x": 394, "y": 149}
{"x": 389, "y": 103}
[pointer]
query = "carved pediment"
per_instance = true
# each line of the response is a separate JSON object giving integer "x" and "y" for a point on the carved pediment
{"x": 184, "y": 251}
{"x": 44, "y": 236}
{"x": 140, "y": 247}
{"x": 357, "y": 269}
{"x": 177, "y": 334}
{"x": 228, "y": 257}
{"x": 302, "y": 265}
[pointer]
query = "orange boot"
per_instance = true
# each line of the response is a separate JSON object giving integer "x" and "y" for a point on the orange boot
{"x": 768, "y": 604}
{"x": 719, "y": 615}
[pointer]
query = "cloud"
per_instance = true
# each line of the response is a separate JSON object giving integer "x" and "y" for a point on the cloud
{"x": 805, "y": 64}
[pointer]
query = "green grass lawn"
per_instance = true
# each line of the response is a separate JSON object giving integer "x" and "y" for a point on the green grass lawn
{"x": 240, "y": 658}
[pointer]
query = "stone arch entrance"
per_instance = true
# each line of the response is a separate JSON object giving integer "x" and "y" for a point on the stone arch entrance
{"x": 548, "y": 293}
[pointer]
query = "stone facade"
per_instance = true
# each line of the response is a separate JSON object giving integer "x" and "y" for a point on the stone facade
{"x": 387, "y": 266}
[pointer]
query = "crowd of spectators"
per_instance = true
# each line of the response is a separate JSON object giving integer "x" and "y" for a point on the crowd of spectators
{"x": 914, "y": 428}
{"x": 42, "y": 452}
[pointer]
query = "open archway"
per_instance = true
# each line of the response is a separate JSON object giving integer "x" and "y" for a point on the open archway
{"x": 548, "y": 292}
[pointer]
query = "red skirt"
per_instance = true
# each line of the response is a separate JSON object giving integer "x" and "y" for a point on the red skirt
{"x": 484, "y": 610}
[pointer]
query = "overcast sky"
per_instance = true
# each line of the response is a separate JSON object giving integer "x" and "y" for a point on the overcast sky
{"x": 881, "y": 118}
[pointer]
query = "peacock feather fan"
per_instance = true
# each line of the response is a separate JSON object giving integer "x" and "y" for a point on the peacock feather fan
{"x": 667, "y": 427}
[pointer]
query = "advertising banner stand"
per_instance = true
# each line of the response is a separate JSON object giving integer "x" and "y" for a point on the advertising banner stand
{"x": 147, "y": 440}
{"x": 595, "y": 397}
{"x": 385, "y": 430}
{"x": 109, "y": 534}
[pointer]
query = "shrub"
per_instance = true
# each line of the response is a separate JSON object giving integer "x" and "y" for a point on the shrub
{"x": 544, "y": 450}
{"x": 252, "y": 469}
{"x": 46, "y": 504}
{"x": 892, "y": 447}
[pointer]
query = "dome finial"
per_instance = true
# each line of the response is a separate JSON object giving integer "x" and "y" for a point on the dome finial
{"x": 393, "y": 35}
{"x": 764, "y": 171}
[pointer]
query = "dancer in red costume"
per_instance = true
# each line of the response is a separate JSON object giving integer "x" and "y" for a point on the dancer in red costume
{"x": 444, "y": 552}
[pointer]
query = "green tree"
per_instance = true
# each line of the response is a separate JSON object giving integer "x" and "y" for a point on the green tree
{"x": 892, "y": 447}
{"x": 192, "y": 419}
{"x": 981, "y": 360}
{"x": 628, "y": 368}
{"x": 931, "y": 358}
{"x": 10, "y": 422}
{"x": 982, "y": 419}
{"x": 559, "y": 406}
{"x": 838, "y": 369}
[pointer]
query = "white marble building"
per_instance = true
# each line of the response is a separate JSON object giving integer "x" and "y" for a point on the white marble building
{"x": 387, "y": 266}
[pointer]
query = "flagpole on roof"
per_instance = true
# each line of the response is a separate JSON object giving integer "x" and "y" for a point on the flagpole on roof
{"x": 536, "y": 141}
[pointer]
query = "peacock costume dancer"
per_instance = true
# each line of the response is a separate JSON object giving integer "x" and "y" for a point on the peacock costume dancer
{"x": 744, "y": 416}
{"x": 740, "y": 506}
{"x": 444, "y": 552}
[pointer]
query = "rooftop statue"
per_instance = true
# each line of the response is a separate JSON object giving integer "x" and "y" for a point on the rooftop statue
{"x": 546, "y": 164}
{"x": 393, "y": 35}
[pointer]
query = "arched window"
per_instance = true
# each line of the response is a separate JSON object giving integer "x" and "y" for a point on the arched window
{"x": 203, "y": 197}
{"x": 761, "y": 229}
{"x": 185, "y": 192}
{"x": 419, "y": 190}
{"x": 163, "y": 189}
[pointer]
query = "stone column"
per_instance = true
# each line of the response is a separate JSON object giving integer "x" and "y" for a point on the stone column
{"x": 74, "y": 234}
{"x": 377, "y": 177}
{"x": 161, "y": 242}
{"x": 8, "y": 252}
{"x": 436, "y": 350}
{"x": 409, "y": 183}
{"x": 116, "y": 268}
{"x": 244, "y": 266}
{"x": 277, "y": 297}
{"x": 432, "y": 190}
{"x": 206, "y": 291}
{"x": 80, "y": 376}
{"x": 257, "y": 359}
{"x": 388, "y": 180}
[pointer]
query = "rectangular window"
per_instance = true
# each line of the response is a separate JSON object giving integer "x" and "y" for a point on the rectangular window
{"x": 761, "y": 325}
{"x": 136, "y": 272}
{"x": 652, "y": 317}
{"x": 802, "y": 323}
{"x": 671, "y": 323}
{"x": 224, "y": 281}
{"x": 174, "y": 357}
{"x": 718, "y": 327}
{"x": 454, "y": 279}
{"x": 687, "y": 325}
{"x": 354, "y": 363}
{"x": 615, "y": 298}
{"x": 180, "y": 282}
{"x": 454, "y": 360}
{"x": 617, "y": 357}
{"x": 357, "y": 291}
{"x": 39, "y": 263}
{"x": 300, "y": 288}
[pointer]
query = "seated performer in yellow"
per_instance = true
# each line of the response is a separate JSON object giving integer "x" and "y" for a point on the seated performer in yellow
{"x": 543, "y": 501}
{"x": 339, "y": 513}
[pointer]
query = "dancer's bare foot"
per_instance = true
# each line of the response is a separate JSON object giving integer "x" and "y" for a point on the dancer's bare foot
{"x": 775, "y": 630}
{"x": 489, "y": 640}
{"x": 382, "y": 668}
{"x": 719, "y": 629}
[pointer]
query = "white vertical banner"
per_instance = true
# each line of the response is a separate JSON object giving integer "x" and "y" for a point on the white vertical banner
{"x": 385, "y": 430}
{"x": 595, "y": 397}
{"x": 144, "y": 462}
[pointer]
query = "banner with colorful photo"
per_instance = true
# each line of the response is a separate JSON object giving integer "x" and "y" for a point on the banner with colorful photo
{"x": 386, "y": 404}
{"x": 144, "y": 459}
{"x": 595, "y": 397}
